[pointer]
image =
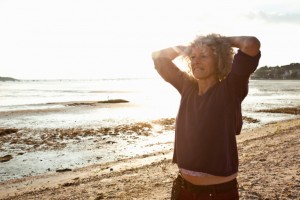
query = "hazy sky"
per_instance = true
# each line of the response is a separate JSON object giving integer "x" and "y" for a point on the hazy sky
{"x": 58, "y": 39}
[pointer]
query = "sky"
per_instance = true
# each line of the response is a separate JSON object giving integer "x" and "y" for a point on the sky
{"x": 95, "y": 39}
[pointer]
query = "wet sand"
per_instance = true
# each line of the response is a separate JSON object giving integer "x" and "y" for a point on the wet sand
{"x": 29, "y": 152}
{"x": 269, "y": 164}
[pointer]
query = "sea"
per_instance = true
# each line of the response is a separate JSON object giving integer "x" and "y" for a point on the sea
{"x": 44, "y": 103}
{"x": 39, "y": 106}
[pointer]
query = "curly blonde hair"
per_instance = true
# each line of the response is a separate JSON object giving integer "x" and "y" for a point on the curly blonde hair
{"x": 221, "y": 49}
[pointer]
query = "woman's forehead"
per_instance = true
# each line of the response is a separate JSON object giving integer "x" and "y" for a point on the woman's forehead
{"x": 201, "y": 49}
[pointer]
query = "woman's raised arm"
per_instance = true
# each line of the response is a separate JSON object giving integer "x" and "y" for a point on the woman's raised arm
{"x": 247, "y": 44}
{"x": 163, "y": 62}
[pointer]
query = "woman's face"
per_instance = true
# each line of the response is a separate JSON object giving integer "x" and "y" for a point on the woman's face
{"x": 203, "y": 63}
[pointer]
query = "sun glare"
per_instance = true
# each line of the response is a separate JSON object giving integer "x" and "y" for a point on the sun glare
{"x": 96, "y": 39}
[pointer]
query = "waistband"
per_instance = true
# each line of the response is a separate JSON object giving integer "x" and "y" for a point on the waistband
{"x": 216, "y": 188}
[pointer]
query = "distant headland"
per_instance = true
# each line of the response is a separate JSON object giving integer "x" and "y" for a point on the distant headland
{"x": 8, "y": 79}
{"x": 286, "y": 72}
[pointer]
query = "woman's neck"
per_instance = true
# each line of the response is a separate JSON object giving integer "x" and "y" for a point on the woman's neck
{"x": 205, "y": 84}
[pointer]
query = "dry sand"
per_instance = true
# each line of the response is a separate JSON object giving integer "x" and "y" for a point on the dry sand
{"x": 269, "y": 169}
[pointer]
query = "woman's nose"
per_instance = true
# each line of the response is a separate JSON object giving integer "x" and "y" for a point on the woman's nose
{"x": 196, "y": 60}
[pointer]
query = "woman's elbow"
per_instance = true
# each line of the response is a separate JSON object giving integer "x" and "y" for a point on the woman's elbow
{"x": 155, "y": 58}
{"x": 155, "y": 55}
{"x": 252, "y": 46}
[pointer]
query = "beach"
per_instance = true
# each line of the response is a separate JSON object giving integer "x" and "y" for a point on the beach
{"x": 97, "y": 140}
{"x": 269, "y": 169}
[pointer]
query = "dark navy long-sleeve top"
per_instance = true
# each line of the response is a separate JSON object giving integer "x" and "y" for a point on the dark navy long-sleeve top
{"x": 207, "y": 125}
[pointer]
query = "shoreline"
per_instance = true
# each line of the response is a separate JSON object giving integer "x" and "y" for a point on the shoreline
{"x": 269, "y": 157}
{"x": 28, "y": 152}
{"x": 33, "y": 150}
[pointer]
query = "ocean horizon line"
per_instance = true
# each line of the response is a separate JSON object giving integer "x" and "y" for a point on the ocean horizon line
{"x": 79, "y": 79}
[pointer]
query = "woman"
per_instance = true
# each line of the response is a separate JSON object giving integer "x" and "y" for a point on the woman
{"x": 209, "y": 115}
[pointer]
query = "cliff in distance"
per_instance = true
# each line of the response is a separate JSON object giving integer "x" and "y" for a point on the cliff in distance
{"x": 7, "y": 79}
{"x": 291, "y": 71}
